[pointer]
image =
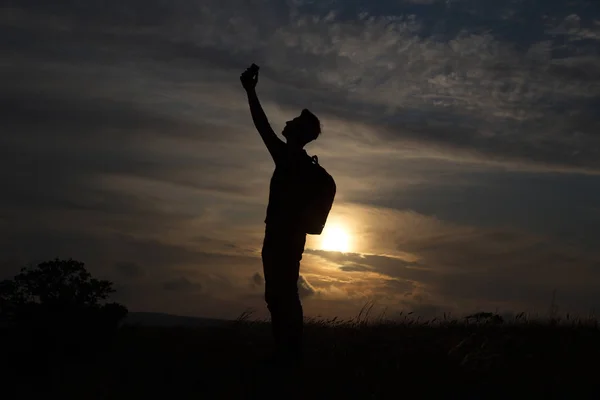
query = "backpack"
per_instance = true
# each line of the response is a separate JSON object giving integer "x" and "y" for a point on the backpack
{"x": 319, "y": 194}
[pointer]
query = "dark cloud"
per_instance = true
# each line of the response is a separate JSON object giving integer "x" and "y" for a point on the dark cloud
{"x": 393, "y": 267}
{"x": 181, "y": 284}
{"x": 351, "y": 267}
{"x": 400, "y": 286}
{"x": 559, "y": 205}
{"x": 471, "y": 268}
{"x": 101, "y": 251}
{"x": 129, "y": 269}
{"x": 495, "y": 100}
{"x": 257, "y": 280}
{"x": 305, "y": 289}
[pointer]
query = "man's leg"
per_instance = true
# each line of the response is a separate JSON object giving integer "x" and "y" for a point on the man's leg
{"x": 283, "y": 302}
{"x": 269, "y": 270}
{"x": 291, "y": 311}
{"x": 281, "y": 263}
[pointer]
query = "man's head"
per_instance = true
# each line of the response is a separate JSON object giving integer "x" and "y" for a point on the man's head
{"x": 303, "y": 129}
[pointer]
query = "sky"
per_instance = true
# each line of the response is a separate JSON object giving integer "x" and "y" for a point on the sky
{"x": 463, "y": 135}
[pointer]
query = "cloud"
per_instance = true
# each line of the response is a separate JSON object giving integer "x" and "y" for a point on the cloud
{"x": 353, "y": 267}
{"x": 257, "y": 280}
{"x": 305, "y": 289}
{"x": 181, "y": 284}
{"x": 421, "y": 1}
{"x": 129, "y": 269}
{"x": 364, "y": 262}
{"x": 455, "y": 268}
{"x": 455, "y": 88}
{"x": 574, "y": 28}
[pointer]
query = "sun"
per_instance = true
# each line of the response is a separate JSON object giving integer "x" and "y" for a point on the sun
{"x": 335, "y": 238}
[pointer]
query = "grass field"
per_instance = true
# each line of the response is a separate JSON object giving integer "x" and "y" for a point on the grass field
{"x": 345, "y": 359}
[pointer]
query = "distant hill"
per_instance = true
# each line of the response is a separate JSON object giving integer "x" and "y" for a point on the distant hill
{"x": 159, "y": 319}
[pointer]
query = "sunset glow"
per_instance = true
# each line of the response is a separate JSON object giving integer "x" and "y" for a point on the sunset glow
{"x": 336, "y": 238}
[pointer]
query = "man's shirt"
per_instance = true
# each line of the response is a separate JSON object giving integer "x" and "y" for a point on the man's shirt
{"x": 287, "y": 188}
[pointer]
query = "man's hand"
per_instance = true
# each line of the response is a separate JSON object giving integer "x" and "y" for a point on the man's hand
{"x": 249, "y": 77}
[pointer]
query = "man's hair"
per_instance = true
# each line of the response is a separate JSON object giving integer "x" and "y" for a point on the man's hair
{"x": 312, "y": 121}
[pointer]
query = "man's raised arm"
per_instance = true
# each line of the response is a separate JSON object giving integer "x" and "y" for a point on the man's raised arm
{"x": 275, "y": 145}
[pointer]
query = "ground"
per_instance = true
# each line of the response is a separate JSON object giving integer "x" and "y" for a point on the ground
{"x": 347, "y": 359}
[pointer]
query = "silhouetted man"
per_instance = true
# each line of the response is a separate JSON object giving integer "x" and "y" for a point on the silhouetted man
{"x": 285, "y": 234}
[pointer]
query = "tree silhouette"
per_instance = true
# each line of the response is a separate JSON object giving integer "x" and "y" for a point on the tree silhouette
{"x": 52, "y": 285}
{"x": 61, "y": 300}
